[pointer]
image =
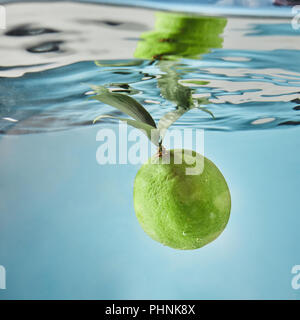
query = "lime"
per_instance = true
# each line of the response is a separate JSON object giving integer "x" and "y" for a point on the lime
{"x": 180, "y": 35}
{"x": 177, "y": 209}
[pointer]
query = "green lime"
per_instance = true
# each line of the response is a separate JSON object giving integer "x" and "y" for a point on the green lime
{"x": 180, "y": 35}
{"x": 181, "y": 210}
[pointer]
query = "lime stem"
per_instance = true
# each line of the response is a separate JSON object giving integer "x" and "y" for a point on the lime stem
{"x": 161, "y": 149}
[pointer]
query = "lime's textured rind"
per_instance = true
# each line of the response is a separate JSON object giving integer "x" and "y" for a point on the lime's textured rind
{"x": 181, "y": 211}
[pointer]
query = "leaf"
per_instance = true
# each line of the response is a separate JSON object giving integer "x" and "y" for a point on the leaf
{"x": 173, "y": 91}
{"x": 170, "y": 87}
{"x": 203, "y": 100}
{"x": 207, "y": 111}
{"x": 124, "y": 103}
{"x": 122, "y": 88}
{"x": 99, "y": 89}
{"x": 114, "y": 87}
{"x": 168, "y": 119}
{"x": 151, "y": 132}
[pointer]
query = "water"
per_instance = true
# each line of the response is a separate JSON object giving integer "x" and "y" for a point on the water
{"x": 68, "y": 228}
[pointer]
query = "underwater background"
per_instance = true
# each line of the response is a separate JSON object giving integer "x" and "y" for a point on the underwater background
{"x": 67, "y": 224}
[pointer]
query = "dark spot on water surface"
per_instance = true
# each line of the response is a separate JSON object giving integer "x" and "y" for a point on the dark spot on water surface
{"x": 125, "y": 25}
{"x": 28, "y": 30}
{"x": 297, "y": 108}
{"x": 132, "y": 39}
{"x": 49, "y": 46}
{"x": 289, "y": 123}
{"x": 297, "y": 100}
{"x": 111, "y": 23}
{"x": 121, "y": 72}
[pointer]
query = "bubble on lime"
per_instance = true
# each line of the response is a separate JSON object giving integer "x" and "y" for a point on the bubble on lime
{"x": 179, "y": 210}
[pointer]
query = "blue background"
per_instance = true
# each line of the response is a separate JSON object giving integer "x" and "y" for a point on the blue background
{"x": 68, "y": 229}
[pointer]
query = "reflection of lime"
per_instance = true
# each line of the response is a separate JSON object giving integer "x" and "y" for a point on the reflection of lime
{"x": 178, "y": 35}
{"x": 179, "y": 210}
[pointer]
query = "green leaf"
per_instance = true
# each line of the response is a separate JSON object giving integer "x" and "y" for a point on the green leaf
{"x": 203, "y": 100}
{"x": 168, "y": 119}
{"x": 207, "y": 111}
{"x": 151, "y": 132}
{"x": 170, "y": 87}
{"x": 122, "y": 88}
{"x": 123, "y": 103}
{"x": 99, "y": 89}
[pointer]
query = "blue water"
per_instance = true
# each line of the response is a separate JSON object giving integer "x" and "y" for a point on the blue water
{"x": 67, "y": 224}
{"x": 68, "y": 228}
